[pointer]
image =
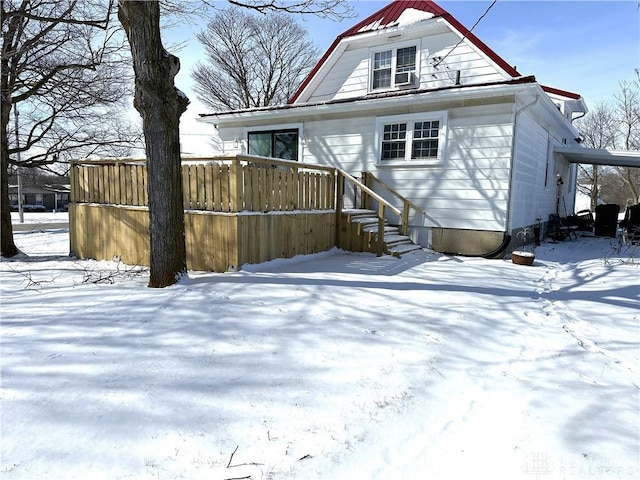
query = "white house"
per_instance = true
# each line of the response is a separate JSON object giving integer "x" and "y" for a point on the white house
{"x": 413, "y": 97}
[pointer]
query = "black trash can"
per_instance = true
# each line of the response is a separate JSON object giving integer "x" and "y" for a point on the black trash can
{"x": 606, "y": 224}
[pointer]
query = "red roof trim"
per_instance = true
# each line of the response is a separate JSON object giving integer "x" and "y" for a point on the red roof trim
{"x": 387, "y": 16}
{"x": 391, "y": 13}
{"x": 562, "y": 93}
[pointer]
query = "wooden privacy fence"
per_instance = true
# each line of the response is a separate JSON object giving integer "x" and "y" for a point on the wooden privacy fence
{"x": 220, "y": 184}
{"x": 238, "y": 210}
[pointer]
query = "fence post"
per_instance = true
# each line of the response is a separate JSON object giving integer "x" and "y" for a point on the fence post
{"x": 380, "y": 244}
{"x": 331, "y": 190}
{"x": 235, "y": 185}
{"x": 339, "y": 204}
{"x": 365, "y": 199}
{"x": 73, "y": 180}
{"x": 405, "y": 217}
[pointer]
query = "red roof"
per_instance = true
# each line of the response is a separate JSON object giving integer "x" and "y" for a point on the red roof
{"x": 562, "y": 93}
{"x": 386, "y": 17}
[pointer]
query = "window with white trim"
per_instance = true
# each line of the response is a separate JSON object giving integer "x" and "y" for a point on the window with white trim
{"x": 394, "y": 68}
{"x": 416, "y": 139}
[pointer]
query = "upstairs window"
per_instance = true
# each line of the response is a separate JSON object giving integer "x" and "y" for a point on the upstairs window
{"x": 394, "y": 68}
{"x": 406, "y": 60}
{"x": 412, "y": 139}
{"x": 382, "y": 70}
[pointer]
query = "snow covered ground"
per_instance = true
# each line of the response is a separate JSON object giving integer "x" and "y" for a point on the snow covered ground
{"x": 330, "y": 366}
{"x": 32, "y": 218}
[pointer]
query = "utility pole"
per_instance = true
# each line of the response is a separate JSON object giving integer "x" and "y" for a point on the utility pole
{"x": 19, "y": 168}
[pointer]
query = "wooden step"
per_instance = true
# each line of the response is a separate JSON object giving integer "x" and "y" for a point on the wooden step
{"x": 366, "y": 220}
{"x": 395, "y": 243}
{"x": 388, "y": 229}
{"x": 393, "y": 239}
{"x": 359, "y": 212}
{"x": 403, "y": 248}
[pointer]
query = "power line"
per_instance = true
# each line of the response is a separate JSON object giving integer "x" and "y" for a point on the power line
{"x": 465, "y": 35}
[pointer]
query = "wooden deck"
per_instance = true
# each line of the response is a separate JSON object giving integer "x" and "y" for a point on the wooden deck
{"x": 238, "y": 210}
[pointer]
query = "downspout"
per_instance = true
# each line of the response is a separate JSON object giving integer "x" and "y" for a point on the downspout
{"x": 513, "y": 157}
{"x": 578, "y": 118}
{"x": 507, "y": 234}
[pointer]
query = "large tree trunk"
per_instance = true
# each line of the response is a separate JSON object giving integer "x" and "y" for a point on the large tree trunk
{"x": 160, "y": 105}
{"x": 8, "y": 246}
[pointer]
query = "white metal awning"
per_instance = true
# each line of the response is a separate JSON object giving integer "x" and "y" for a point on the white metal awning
{"x": 597, "y": 156}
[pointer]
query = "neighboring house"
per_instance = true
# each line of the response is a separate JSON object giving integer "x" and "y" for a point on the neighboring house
{"x": 413, "y": 97}
{"x": 40, "y": 198}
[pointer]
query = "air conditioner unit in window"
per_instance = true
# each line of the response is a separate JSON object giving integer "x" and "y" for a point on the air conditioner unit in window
{"x": 403, "y": 79}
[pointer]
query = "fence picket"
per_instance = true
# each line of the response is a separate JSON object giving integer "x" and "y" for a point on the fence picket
{"x": 134, "y": 185}
{"x": 224, "y": 188}
{"x": 208, "y": 187}
{"x": 200, "y": 187}
{"x": 241, "y": 184}
{"x": 193, "y": 187}
{"x": 248, "y": 187}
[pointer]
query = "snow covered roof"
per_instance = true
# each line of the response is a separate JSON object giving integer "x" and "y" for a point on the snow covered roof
{"x": 403, "y": 13}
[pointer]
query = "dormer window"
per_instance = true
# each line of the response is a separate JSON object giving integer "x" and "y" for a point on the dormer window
{"x": 394, "y": 68}
{"x": 382, "y": 70}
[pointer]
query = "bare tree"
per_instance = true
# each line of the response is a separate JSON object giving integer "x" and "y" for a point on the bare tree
{"x": 160, "y": 105}
{"x": 63, "y": 72}
{"x": 628, "y": 114}
{"x": 614, "y": 125}
{"x": 333, "y": 9}
{"x": 599, "y": 131}
{"x": 252, "y": 60}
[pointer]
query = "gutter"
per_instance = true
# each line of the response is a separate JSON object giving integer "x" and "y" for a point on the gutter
{"x": 368, "y": 101}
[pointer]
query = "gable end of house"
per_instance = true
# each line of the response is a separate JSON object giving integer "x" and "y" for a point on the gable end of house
{"x": 396, "y": 16}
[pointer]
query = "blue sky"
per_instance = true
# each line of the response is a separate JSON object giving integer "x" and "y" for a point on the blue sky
{"x": 586, "y": 47}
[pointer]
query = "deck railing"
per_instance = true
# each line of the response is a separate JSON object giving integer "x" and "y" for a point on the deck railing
{"x": 370, "y": 195}
{"x": 218, "y": 184}
{"x": 370, "y": 181}
{"x": 312, "y": 194}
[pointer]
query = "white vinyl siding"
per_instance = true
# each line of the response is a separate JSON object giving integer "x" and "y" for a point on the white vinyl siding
{"x": 348, "y": 78}
{"x": 468, "y": 190}
{"x": 351, "y": 74}
{"x": 534, "y": 200}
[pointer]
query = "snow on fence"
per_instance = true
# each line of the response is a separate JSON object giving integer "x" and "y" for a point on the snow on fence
{"x": 238, "y": 210}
